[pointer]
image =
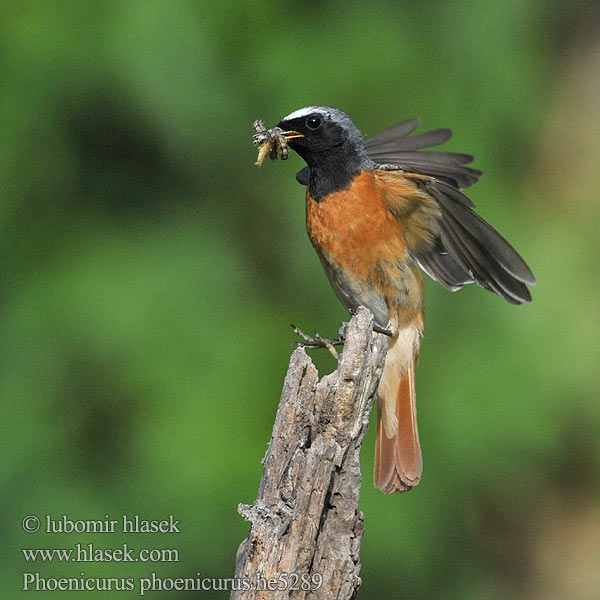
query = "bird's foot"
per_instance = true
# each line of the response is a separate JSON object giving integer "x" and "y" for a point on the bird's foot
{"x": 342, "y": 331}
{"x": 317, "y": 341}
{"x": 376, "y": 328}
{"x": 387, "y": 332}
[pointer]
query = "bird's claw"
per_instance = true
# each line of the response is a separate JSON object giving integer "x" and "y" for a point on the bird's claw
{"x": 342, "y": 331}
{"x": 317, "y": 341}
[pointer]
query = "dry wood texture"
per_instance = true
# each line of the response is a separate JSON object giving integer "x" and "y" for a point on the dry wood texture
{"x": 306, "y": 526}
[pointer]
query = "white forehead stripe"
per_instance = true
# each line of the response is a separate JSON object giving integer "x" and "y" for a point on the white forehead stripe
{"x": 304, "y": 112}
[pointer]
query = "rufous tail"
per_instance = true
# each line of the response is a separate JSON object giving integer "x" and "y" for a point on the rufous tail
{"x": 398, "y": 462}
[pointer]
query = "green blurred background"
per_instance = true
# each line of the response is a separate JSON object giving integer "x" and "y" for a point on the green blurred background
{"x": 150, "y": 273}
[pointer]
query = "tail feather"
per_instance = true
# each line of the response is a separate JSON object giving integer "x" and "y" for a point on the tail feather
{"x": 398, "y": 462}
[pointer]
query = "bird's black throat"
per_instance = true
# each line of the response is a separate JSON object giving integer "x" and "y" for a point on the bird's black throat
{"x": 333, "y": 172}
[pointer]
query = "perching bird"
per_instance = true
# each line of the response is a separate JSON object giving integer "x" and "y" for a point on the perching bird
{"x": 378, "y": 211}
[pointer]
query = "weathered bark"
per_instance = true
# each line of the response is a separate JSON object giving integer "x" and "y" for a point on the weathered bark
{"x": 305, "y": 521}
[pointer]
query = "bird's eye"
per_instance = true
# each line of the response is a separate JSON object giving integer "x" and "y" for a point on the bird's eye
{"x": 313, "y": 122}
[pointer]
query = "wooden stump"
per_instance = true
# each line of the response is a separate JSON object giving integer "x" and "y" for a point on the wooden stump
{"x": 306, "y": 526}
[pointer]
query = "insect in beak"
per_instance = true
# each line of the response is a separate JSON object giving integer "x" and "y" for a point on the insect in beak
{"x": 270, "y": 142}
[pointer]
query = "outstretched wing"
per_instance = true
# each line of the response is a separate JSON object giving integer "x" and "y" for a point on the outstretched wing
{"x": 477, "y": 248}
{"x": 461, "y": 247}
{"x": 396, "y": 146}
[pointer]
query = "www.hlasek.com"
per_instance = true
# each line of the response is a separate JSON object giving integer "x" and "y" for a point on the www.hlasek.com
{"x": 282, "y": 582}
{"x": 91, "y": 553}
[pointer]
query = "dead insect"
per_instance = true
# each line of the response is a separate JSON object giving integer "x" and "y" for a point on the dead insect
{"x": 270, "y": 142}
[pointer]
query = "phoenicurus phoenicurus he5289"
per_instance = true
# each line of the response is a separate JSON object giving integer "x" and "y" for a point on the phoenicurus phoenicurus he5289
{"x": 378, "y": 212}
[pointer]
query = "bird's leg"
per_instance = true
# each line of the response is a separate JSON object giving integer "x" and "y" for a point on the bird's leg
{"x": 387, "y": 332}
{"x": 317, "y": 341}
{"x": 376, "y": 328}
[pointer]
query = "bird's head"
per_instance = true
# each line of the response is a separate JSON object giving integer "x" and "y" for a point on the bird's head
{"x": 324, "y": 137}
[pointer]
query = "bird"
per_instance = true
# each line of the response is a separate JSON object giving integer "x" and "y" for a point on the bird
{"x": 379, "y": 212}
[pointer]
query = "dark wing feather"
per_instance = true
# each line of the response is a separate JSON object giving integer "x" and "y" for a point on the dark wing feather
{"x": 397, "y": 131}
{"x": 453, "y": 203}
{"x": 394, "y": 146}
{"x": 427, "y": 163}
{"x": 390, "y": 142}
{"x": 441, "y": 267}
{"x": 476, "y": 249}
{"x": 485, "y": 270}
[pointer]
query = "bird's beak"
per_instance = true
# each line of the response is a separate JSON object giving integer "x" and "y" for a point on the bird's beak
{"x": 290, "y": 135}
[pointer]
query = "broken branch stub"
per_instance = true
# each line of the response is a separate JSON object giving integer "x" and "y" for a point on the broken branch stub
{"x": 306, "y": 525}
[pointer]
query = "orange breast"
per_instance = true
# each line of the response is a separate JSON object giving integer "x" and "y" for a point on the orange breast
{"x": 354, "y": 232}
{"x": 354, "y": 227}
